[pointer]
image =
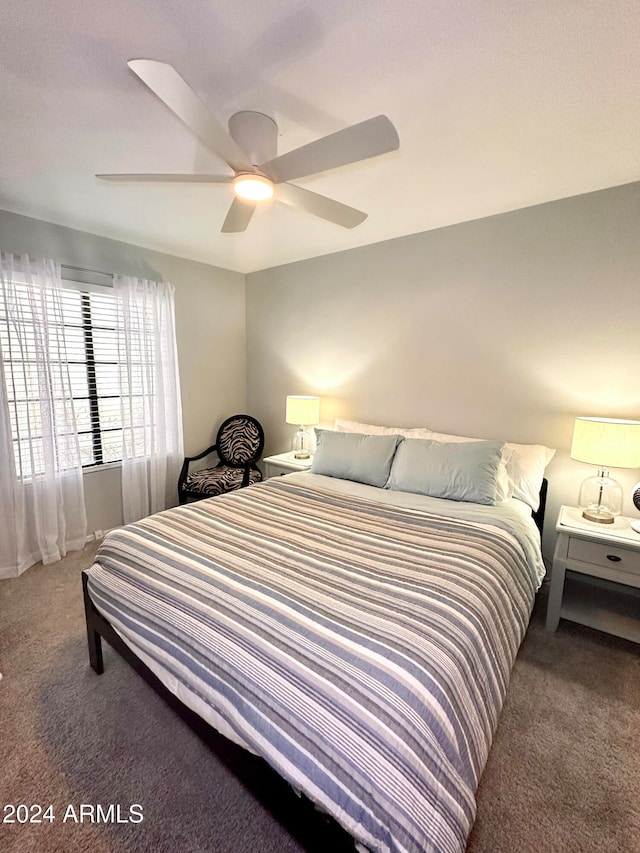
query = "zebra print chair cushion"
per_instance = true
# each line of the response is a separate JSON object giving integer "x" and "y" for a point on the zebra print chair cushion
{"x": 239, "y": 443}
{"x": 216, "y": 481}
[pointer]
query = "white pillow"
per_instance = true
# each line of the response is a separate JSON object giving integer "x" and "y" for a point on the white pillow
{"x": 371, "y": 429}
{"x": 525, "y": 467}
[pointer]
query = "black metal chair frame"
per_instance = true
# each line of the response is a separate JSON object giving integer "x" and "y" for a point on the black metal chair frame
{"x": 250, "y": 465}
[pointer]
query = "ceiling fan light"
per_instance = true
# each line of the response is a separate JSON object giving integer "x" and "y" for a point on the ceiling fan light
{"x": 253, "y": 187}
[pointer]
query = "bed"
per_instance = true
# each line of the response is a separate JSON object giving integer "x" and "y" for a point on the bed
{"x": 357, "y": 641}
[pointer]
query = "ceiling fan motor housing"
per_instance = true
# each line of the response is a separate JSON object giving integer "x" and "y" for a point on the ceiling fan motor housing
{"x": 256, "y": 134}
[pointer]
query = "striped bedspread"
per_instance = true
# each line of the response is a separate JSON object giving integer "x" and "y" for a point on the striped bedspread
{"x": 362, "y": 649}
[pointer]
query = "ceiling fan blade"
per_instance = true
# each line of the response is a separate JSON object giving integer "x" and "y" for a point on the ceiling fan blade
{"x": 165, "y": 82}
{"x": 320, "y": 205}
{"x": 171, "y": 179}
{"x": 239, "y": 216}
{"x": 358, "y": 142}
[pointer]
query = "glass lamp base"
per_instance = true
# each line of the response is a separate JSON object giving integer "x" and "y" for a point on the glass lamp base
{"x": 300, "y": 444}
{"x": 601, "y": 498}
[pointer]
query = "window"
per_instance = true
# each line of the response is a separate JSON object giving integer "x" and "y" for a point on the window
{"x": 85, "y": 326}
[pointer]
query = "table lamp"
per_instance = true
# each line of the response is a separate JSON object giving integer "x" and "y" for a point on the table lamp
{"x": 607, "y": 443}
{"x": 303, "y": 411}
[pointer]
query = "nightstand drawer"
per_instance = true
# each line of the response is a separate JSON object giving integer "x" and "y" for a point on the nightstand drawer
{"x": 602, "y": 554}
{"x": 273, "y": 470}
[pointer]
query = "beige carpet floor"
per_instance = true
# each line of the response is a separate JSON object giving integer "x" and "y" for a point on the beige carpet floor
{"x": 563, "y": 774}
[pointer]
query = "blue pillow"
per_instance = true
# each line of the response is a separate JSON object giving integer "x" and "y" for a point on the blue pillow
{"x": 458, "y": 471}
{"x": 353, "y": 456}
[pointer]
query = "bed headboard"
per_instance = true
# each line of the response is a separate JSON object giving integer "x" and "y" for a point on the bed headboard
{"x": 538, "y": 515}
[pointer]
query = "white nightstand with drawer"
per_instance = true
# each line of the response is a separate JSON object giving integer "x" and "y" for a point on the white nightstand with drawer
{"x": 595, "y": 578}
{"x": 284, "y": 463}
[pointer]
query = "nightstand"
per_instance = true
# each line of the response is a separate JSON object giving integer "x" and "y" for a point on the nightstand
{"x": 284, "y": 463}
{"x": 595, "y": 579}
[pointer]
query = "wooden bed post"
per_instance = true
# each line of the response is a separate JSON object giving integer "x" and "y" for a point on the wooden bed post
{"x": 94, "y": 639}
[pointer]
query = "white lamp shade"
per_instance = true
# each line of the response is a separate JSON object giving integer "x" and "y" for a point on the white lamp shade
{"x": 606, "y": 442}
{"x": 303, "y": 411}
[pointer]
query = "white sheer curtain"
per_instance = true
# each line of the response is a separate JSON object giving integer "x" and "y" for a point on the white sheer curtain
{"x": 42, "y": 513}
{"x": 150, "y": 392}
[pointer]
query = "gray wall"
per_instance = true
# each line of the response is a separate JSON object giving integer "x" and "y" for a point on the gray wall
{"x": 504, "y": 327}
{"x": 210, "y": 329}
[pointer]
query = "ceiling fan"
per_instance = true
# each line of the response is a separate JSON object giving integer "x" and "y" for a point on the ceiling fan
{"x": 250, "y": 149}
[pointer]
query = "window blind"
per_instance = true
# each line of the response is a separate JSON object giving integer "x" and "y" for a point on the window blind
{"x": 85, "y": 339}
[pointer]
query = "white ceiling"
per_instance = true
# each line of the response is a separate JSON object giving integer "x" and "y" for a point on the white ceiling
{"x": 498, "y": 105}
